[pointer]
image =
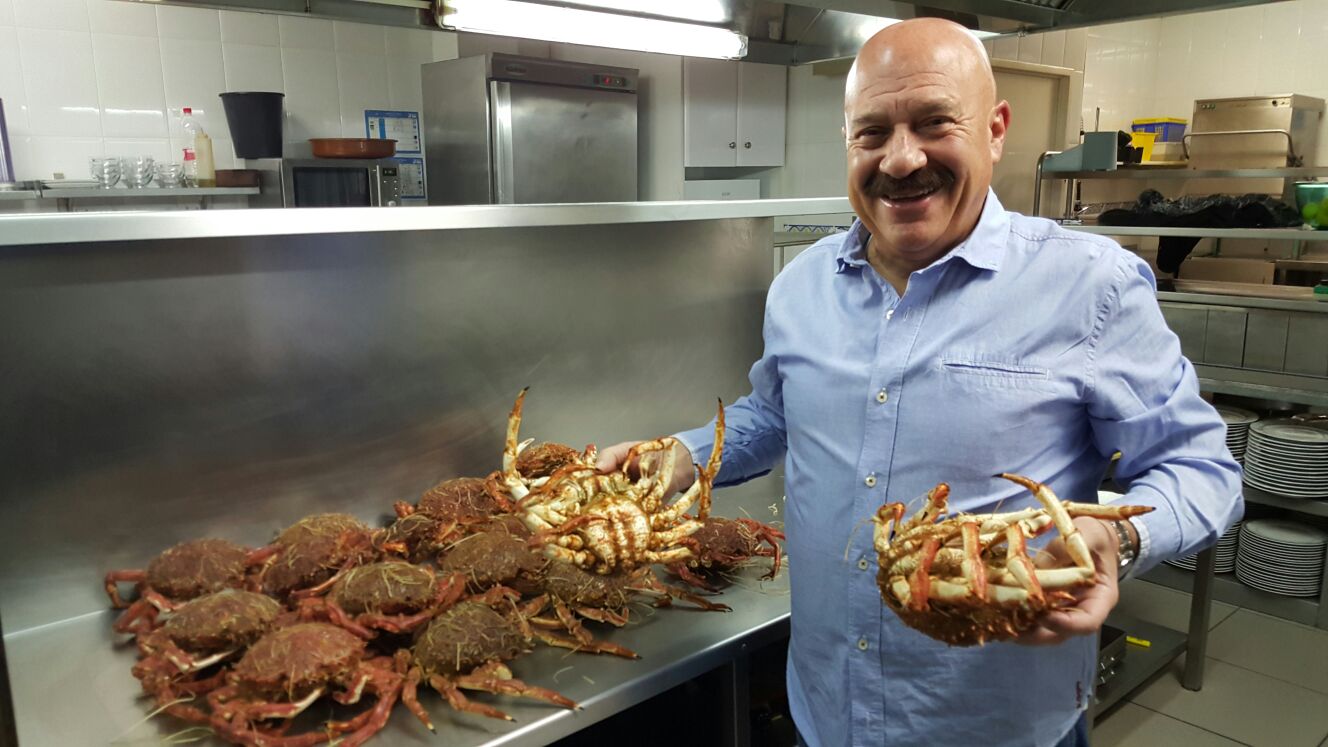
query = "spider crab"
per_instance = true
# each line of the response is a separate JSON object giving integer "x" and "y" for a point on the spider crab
{"x": 181, "y": 573}
{"x": 952, "y": 580}
{"x": 604, "y": 522}
{"x": 311, "y": 554}
{"x": 390, "y": 596}
{"x": 465, "y": 647}
{"x": 195, "y": 636}
{"x": 289, "y": 669}
{"x": 576, "y": 593}
{"x": 726, "y": 544}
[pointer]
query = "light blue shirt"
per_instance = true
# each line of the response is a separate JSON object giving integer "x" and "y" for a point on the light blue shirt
{"x": 1028, "y": 349}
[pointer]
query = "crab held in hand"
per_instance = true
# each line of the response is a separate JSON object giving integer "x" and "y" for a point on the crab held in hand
{"x": 967, "y": 579}
{"x": 607, "y": 522}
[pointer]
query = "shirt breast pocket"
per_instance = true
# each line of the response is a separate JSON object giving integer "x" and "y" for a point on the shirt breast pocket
{"x": 991, "y": 374}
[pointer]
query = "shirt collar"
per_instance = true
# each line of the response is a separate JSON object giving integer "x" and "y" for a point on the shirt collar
{"x": 984, "y": 248}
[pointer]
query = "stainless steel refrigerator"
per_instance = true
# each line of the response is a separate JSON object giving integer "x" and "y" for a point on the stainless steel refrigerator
{"x": 516, "y": 130}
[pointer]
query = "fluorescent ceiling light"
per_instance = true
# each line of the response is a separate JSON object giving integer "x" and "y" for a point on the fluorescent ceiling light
{"x": 704, "y": 11}
{"x": 572, "y": 26}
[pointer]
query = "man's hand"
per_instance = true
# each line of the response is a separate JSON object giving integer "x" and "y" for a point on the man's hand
{"x": 1094, "y": 602}
{"x": 684, "y": 471}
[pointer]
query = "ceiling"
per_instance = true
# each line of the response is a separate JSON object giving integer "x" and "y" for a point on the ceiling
{"x": 796, "y": 32}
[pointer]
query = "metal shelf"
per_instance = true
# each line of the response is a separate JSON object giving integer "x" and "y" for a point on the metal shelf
{"x": 1141, "y": 663}
{"x": 19, "y": 194}
{"x": 145, "y": 192}
{"x": 1258, "y": 390}
{"x": 1226, "y": 588}
{"x": 1299, "y": 505}
{"x": 1181, "y": 172}
{"x": 1268, "y": 234}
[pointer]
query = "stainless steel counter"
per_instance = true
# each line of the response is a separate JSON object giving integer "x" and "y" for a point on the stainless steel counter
{"x": 72, "y": 684}
{"x": 89, "y": 227}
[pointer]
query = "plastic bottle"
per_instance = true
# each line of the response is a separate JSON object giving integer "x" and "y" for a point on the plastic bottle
{"x": 197, "y": 152}
{"x": 190, "y": 158}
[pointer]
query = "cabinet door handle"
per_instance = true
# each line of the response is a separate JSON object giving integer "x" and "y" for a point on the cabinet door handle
{"x": 747, "y": 144}
{"x": 733, "y": 145}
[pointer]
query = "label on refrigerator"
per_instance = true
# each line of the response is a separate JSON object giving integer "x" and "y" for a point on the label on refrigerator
{"x": 403, "y": 127}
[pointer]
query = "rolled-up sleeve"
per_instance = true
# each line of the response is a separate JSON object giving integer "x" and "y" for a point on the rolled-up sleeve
{"x": 1144, "y": 402}
{"x": 754, "y": 434}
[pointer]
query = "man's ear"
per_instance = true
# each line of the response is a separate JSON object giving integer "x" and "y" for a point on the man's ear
{"x": 1000, "y": 123}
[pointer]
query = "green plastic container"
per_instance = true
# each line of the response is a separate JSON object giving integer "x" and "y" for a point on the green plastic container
{"x": 1312, "y": 201}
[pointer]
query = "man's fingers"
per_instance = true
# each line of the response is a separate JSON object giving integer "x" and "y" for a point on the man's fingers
{"x": 612, "y": 458}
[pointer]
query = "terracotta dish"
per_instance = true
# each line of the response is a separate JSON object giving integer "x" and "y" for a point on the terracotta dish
{"x": 352, "y": 147}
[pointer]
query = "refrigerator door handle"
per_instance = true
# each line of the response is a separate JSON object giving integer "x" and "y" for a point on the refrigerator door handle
{"x": 504, "y": 169}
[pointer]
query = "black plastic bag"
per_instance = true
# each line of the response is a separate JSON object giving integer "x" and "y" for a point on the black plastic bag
{"x": 1208, "y": 211}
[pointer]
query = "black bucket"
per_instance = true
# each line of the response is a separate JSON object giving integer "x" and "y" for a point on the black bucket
{"x": 254, "y": 119}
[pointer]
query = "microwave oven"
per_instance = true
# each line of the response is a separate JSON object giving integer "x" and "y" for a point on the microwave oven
{"x": 338, "y": 182}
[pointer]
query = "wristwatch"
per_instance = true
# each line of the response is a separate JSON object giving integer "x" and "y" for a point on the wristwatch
{"x": 1128, "y": 550}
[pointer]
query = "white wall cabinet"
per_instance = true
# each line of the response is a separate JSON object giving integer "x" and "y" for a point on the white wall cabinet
{"x": 733, "y": 113}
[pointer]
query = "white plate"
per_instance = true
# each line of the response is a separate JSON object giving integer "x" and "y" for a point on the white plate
{"x": 1235, "y": 415}
{"x": 1286, "y": 532}
{"x": 1295, "y": 431}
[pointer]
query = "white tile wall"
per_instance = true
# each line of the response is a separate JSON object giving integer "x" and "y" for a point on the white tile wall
{"x": 129, "y": 84}
{"x": 1257, "y": 50}
{"x": 249, "y": 28}
{"x": 83, "y": 78}
{"x": 65, "y": 15}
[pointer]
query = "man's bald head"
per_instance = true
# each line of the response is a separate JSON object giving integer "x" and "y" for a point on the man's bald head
{"x": 923, "y": 131}
{"x": 926, "y": 42}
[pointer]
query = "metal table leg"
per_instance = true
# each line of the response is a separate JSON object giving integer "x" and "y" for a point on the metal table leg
{"x": 1201, "y": 608}
{"x": 737, "y": 702}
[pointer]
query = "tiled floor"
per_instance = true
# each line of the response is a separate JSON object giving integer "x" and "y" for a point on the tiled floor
{"x": 1265, "y": 682}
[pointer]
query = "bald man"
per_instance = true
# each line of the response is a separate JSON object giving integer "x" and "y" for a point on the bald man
{"x": 943, "y": 338}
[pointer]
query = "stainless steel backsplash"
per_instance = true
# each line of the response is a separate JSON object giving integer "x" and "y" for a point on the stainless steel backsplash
{"x": 154, "y": 392}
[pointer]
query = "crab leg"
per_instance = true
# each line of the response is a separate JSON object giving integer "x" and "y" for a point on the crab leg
{"x": 410, "y": 695}
{"x": 1019, "y": 565}
{"x": 115, "y": 578}
{"x": 1074, "y": 541}
{"x": 511, "y": 478}
{"x": 919, "y": 584}
{"x": 973, "y": 568}
{"x": 449, "y": 690}
{"x": 495, "y": 677}
{"x": 887, "y": 518}
{"x": 937, "y": 501}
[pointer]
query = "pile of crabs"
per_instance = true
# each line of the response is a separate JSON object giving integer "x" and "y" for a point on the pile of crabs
{"x": 458, "y": 587}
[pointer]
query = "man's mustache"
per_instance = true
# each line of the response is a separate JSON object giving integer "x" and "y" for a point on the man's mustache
{"x": 920, "y": 181}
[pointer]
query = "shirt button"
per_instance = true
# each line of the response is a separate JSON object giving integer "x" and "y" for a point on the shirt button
{"x": 882, "y": 396}
{"x": 889, "y": 313}
{"x": 862, "y": 644}
{"x": 862, "y": 564}
{"x": 871, "y": 480}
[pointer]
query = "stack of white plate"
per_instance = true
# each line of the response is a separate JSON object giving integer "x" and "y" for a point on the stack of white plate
{"x": 1289, "y": 457}
{"x": 1238, "y": 428}
{"x": 1282, "y": 557}
{"x": 1226, "y": 553}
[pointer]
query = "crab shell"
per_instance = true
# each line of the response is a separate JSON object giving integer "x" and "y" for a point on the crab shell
{"x": 389, "y": 588}
{"x": 314, "y": 549}
{"x": 290, "y": 663}
{"x": 579, "y": 587}
{"x": 192, "y": 569}
{"x": 543, "y": 459}
{"x": 230, "y": 618}
{"x": 493, "y": 557}
{"x": 465, "y": 637}
{"x": 459, "y": 499}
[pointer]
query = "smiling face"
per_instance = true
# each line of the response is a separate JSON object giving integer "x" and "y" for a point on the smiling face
{"x": 923, "y": 131}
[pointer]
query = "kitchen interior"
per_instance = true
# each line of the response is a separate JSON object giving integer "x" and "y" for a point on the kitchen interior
{"x": 264, "y": 258}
